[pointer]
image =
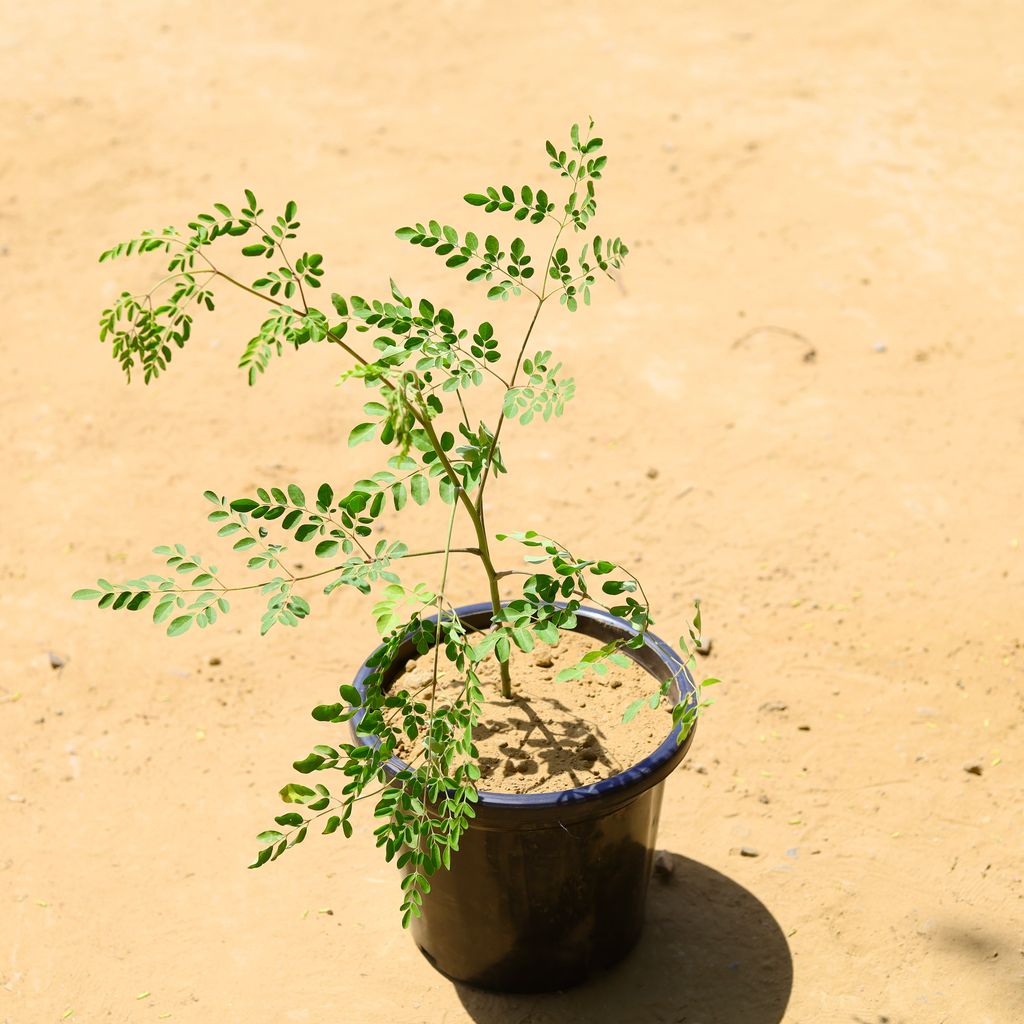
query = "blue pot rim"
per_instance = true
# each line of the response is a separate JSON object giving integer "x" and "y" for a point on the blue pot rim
{"x": 638, "y": 777}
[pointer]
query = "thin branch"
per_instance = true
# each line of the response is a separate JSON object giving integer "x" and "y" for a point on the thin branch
{"x": 314, "y": 575}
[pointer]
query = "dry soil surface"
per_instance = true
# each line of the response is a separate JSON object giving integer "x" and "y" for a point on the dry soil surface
{"x": 550, "y": 736}
{"x": 801, "y": 401}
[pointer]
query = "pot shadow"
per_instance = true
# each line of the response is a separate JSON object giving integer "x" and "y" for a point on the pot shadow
{"x": 710, "y": 953}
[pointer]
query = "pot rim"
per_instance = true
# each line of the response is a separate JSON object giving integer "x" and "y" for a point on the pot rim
{"x": 620, "y": 788}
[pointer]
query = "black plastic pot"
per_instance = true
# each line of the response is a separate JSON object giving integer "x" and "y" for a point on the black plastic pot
{"x": 549, "y": 888}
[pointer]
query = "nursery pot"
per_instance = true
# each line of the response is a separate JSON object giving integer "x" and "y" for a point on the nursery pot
{"x": 549, "y": 888}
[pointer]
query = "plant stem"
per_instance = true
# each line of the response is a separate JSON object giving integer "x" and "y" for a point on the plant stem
{"x": 323, "y": 572}
{"x": 501, "y": 418}
{"x": 481, "y": 535}
{"x": 437, "y": 635}
{"x": 541, "y": 299}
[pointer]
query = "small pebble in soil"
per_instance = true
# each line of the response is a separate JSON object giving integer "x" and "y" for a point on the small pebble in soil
{"x": 748, "y": 851}
{"x": 773, "y": 705}
{"x": 705, "y": 646}
{"x": 213, "y": 660}
{"x": 879, "y": 346}
{"x": 700, "y": 769}
{"x": 664, "y": 864}
{"x": 543, "y": 660}
{"x": 804, "y": 728}
{"x": 764, "y": 799}
{"x": 56, "y": 661}
{"x": 652, "y": 473}
{"x": 974, "y": 767}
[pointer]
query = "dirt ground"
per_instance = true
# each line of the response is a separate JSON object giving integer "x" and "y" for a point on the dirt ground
{"x": 815, "y": 345}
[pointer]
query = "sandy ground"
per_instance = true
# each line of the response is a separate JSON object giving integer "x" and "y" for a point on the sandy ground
{"x": 842, "y": 178}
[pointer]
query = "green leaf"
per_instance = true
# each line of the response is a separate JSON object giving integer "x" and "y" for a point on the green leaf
{"x": 86, "y": 595}
{"x": 360, "y": 433}
{"x": 327, "y": 548}
{"x": 295, "y": 793}
{"x": 179, "y": 625}
{"x": 296, "y": 496}
{"x": 327, "y": 712}
{"x": 502, "y": 649}
{"x": 523, "y": 639}
{"x": 350, "y": 694}
{"x": 633, "y": 710}
{"x": 420, "y": 487}
{"x": 310, "y": 763}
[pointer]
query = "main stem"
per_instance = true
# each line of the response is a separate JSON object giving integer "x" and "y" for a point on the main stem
{"x": 484, "y": 553}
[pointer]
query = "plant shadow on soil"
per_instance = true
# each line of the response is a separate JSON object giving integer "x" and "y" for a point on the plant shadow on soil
{"x": 711, "y": 953}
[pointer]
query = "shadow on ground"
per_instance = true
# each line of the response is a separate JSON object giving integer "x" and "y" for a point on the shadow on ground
{"x": 711, "y": 953}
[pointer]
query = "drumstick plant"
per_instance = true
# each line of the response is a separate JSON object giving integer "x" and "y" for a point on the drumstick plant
{"x": 422, "y": 367}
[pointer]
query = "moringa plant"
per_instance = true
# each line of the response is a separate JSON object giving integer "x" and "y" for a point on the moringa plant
{"x": 423, "y": 369}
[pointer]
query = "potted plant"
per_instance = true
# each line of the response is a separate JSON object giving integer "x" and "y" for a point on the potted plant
{"x": 509, "y": 890}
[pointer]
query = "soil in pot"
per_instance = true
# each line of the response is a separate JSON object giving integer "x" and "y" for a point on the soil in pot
{"x": 552, "y": 736}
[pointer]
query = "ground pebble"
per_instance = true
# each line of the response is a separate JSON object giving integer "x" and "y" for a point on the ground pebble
{"x": 213, "y": 660}
{"x": 705, "y": 646}
{"x": 56, "y": 661}
{"x": 543, "y": 660}
{"x": 974, "y": 767}
{"x": 664, "y": 864}
{"x": 773, "y": 705}
{"x": 748, "y": 851}
{"x": 879, "y": 346}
